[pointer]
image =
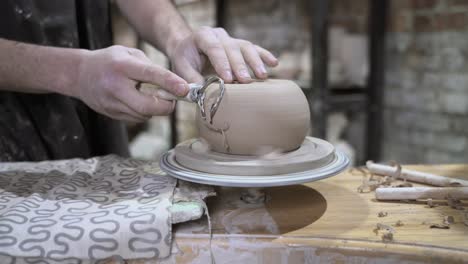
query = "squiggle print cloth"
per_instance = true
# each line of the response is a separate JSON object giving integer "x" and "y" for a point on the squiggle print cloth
{"x": 85, "y": 209}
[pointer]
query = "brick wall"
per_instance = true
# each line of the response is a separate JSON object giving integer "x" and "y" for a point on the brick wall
{"x": 426, "y": 89}
{"x": 284, "y": 25}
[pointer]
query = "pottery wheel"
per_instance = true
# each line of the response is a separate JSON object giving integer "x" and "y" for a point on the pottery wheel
{"x": 314, "y": 160}
{"x": 313, "y": 153}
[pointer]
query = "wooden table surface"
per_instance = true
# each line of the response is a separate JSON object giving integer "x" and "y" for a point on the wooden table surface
{"x": 326, "y": 221}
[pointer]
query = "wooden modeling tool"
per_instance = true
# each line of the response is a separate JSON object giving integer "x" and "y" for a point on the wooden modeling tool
{"x": 196, "y": 94}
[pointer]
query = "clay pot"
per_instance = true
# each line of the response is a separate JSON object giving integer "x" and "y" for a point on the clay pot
{"x": 256, "y": 118}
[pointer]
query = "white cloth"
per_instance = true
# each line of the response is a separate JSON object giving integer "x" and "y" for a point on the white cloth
{"x": 84, "y": 209}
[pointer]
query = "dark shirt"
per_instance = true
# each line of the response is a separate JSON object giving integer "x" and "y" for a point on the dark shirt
{"x": 35, "y": 127}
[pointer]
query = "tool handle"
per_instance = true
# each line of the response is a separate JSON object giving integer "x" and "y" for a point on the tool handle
{"x": 155, "y": 90}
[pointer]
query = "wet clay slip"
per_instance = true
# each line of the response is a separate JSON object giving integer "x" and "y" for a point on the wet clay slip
{"x": 256, "y": 118}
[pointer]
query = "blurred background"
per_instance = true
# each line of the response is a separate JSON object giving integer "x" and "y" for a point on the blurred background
{"x": 386, "y": 80}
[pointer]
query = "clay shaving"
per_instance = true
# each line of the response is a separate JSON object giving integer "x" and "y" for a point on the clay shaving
{"x": 439, "y": 226}
{"x": 448, "y": 220}
{"x": 430, "y": 203}
{"x": 389, "y": 175}
{"x": 454, "y": 203}
{"x": 370, "y": 183}
{"x": 382, "y": 214}
{"x": 385, "y": 231}
{"x": 465, "y": 217}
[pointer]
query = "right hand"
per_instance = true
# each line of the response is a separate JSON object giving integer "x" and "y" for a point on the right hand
{"x": 106, "y": 82}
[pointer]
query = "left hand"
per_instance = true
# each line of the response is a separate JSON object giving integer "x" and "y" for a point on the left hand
{"x": 230, "y": 57}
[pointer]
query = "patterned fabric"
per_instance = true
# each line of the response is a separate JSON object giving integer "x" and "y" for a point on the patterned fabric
{"x": 84, "y": 209}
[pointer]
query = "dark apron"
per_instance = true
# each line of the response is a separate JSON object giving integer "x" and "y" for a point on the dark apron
{"x": 35, "y": 127}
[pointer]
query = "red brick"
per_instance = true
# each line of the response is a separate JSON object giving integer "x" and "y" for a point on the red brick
{"x": 399, "y": 7}
{"x": 423, "y": 23}
{"x": 450, "y": 21}
{"x": 399, "y": 23}
{"x": 424, "y": 4}
{"x": 458, "y": 2}
{"x": 400, "y": 4}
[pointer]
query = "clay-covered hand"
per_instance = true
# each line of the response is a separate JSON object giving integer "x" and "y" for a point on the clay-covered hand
{"x": 230, "y": 57}
{"x": 106, "y": 82}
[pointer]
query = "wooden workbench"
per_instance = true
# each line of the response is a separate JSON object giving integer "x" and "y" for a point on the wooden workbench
{"x": 324, "y": 222}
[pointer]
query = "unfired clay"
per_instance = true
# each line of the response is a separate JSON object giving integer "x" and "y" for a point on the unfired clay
{"x": 256, "y": 118}
{"x": 313, "y": 153}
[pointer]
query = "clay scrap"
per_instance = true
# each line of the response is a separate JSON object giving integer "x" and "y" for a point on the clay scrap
{"x": 440, "y": 226}
{"x": 369, "y": 182}
{"x": 386, "y": 232}
{"x": 388, "y": 187}
{"x": 399, "y": 223}
{"x": 465, "y": 217}
{"x": 454, "y": 201}
{"x": 382, "y": 214}
{"x": 430, "y": 203}
{"x": 446, "y": 222}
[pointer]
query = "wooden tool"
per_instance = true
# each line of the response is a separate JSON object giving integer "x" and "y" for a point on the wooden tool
{"x": 155, "y": 90}
{"x": 416, "y": 176}
{"x": 415, "y": 193}
{"x": 196, "y": 94}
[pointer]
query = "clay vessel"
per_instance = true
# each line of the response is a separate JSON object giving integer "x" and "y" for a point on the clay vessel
{"x": 256, "y": 118}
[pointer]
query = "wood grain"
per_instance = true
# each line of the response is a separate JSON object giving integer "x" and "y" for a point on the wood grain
{"x": 325, "y": 222}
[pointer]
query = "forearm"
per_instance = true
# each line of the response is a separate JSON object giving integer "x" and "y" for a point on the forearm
{"x": 156, "y": 21}
{"x": 38, "y": 69}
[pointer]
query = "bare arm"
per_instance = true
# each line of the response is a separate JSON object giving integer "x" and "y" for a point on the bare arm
{"x": 156, "y": 21}
{"x": 104, "y": 79}
{"x": 38, "y": 69}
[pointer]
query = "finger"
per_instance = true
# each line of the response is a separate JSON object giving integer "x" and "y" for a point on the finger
{"x": 123, "y": 108}
{"x": 234, "y": 54}
{"x": 144, "y": 71}
{"x": 253, "y": 59}
{"x": 188, "y": 72}
{"x": 127, "y": 118}
{"x": 138, "y": 54}
{"x": 142, "y": 56}
{"x": 211, "y": 46}
{"x": 266, "y": 56}
{"x": 143, "y": 104}
{"x": 123, "y": 111}
{"x": 120, "y": 112}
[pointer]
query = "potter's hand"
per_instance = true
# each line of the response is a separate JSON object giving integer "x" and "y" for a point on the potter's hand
{"x": 107, "y": 78}
{"x": 227, "y": 56}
